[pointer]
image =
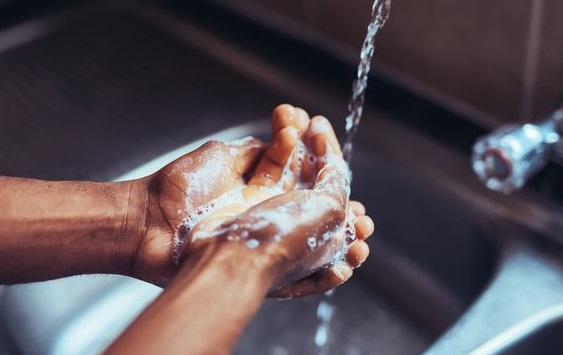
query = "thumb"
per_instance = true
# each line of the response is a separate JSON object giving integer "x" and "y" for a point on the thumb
{"x": 334, "y": 180}
{"x": 245, "y": 153}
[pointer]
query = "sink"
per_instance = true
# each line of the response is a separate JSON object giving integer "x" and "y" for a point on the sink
{"x": 428, "y": 262}
{"x": 546, "y": 341}
{"x": 435, "y": 260}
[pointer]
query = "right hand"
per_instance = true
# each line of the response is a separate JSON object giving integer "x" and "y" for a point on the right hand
{"x": 301, "y": 233}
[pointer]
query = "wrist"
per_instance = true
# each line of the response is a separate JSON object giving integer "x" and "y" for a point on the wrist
{"x": 230, "y": 258}
{"x": 218, "y": 288}
{"x": 131, "y": 224}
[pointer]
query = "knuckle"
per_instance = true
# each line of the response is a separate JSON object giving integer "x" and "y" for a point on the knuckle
{"x": 213, "y": 145}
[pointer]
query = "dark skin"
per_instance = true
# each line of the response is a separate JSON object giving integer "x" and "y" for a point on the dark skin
{"x": 55, "y": 229}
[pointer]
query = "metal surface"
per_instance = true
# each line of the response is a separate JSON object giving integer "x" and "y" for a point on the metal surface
{"x": 248, "y": 89}
{"x": 507, "y": 158}
{"x": 114, "y": 88}
{"x": 525, "y": 295}
{"x": 148, "y": 82}
{"x": 375, "y": 313}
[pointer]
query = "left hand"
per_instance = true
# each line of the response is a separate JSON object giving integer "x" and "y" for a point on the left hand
{"x": 197, "y": 178}
{"x": 178, "y": 189}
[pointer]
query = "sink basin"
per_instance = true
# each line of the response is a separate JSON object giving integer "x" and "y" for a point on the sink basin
{"x": 431, "y": 255}
{"x": 546, "y": 341}
{"x": 428, "y": 262}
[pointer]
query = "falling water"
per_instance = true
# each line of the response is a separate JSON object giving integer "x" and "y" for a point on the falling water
{"x": 325, "y": 312}
{"x": 379, "y": 14}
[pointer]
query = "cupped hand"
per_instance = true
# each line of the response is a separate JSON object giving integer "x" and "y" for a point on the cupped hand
{"x": 293, "y": 211}
{"x": 286, "y": 203}
{"x": 180, "y": 188}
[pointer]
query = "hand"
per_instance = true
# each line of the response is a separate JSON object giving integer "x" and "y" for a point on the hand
{"x": 307, "y": 227}
{"x": 178, "y": 189}
{"x": 239, "y": 232}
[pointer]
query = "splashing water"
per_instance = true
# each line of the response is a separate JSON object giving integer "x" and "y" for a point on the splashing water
{"x": 379, "y": 14}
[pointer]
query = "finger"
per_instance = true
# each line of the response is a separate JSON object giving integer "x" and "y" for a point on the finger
{"x": 319, "y": 282}
{"x": 299, "y": 119}
{"x": 321, "y": 137}
{"x": 309, "y": 169}
{"x": 357, "y": 253}
{"x": 274, "y": 161}
{"x": 320, "y": 140}
{"x": 302, "y": 120}
{"x": 357, "y": 208}
{"x": 333, "y": 182}
{"x": 286, "y": 115}
{"x": 364, "y": 227}
{"x": 245, "y": 154}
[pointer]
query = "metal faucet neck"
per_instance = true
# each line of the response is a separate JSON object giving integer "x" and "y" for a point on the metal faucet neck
{"x": 509, "y": 156}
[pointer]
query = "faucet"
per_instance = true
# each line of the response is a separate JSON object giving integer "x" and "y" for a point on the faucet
{"x": 508, "y": 157}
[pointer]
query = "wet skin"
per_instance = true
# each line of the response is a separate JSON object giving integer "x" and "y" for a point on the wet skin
{"x": 53, "y": 229}
{"x": 221, "y": 281}
{"x": 171, "y": 198}
{"x": 295, "y": 158}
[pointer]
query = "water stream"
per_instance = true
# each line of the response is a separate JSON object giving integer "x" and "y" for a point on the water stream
{"x": 379, "y": 14}
{"x": 325, "y": 312}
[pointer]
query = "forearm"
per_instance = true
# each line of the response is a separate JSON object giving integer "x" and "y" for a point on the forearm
{"x": 54, "y": 229}
{"x": 204, "y": 310}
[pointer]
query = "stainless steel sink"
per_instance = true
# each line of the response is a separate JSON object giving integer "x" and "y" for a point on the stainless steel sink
{"x": 428, "y": 262}
{"x": 442, "y": 243}
{"x": 548, "y": 339}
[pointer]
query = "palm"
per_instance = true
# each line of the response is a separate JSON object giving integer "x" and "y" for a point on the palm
{"x": 304, "y": 162}
{"x": 192, "y": 184}
{"x": 181, "y": 187}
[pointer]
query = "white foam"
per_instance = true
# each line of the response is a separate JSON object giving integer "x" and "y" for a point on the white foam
{"x": 329, "y": 182}
{"x": 252, "y": 244}
{"x": 198, "y": 182}
{"x": 327, "y": 235}
{"x": 288, "y": 177}
{"x": 350, "y": 228}
{"x": 282, "y": 218}
{"x": 339, "y": 256}
{"x": 312, "y": 243}
{"x": 241, "y": 141}
{"x": 235, "y": 145}
{"x": 198, "y": 214}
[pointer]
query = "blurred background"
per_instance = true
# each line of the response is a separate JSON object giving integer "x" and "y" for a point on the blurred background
{"x": 496, "y": 61}
{"x": 110, "y": 90}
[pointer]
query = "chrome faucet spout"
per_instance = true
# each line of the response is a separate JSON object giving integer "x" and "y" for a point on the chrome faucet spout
{"x": 508, "y": 157}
